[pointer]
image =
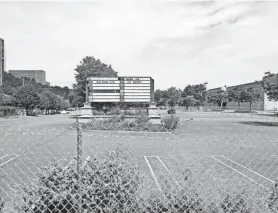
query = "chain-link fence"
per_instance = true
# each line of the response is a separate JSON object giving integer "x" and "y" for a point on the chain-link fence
{"x": 208, "y": 164}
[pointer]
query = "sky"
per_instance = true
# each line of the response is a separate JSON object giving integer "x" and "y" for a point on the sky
{"x": 175, "y": 42}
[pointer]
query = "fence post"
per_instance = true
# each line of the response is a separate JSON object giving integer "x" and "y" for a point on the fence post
{"x": 79, "y": 164}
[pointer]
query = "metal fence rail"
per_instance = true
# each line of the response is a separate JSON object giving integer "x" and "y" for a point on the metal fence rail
{"x": 206, "y": 165}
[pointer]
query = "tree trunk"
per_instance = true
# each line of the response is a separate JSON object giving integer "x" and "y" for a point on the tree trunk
{"x": 27, "y": 111}
{"x": 238, "y": 105}
{"x": 250, "y": 106}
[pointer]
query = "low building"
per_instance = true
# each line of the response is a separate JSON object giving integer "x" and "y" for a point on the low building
{"x": 127, "y": 90}
{"x": 264, "y": 104}
{"x": 37, "y": 75}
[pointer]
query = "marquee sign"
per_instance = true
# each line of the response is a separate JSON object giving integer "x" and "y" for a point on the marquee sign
{"x": 120, "y": 89}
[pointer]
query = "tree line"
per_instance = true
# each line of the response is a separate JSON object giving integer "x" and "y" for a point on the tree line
{"x": 51, "y": 98}
{"x": 32, "y": 94}
{"x": 192, "y": 95}
{"x": 196, "y": 95}
{"x": 27, "y": 97}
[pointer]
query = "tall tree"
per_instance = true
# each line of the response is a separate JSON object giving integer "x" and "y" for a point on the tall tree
{"x": 7, "y": 100}
{"x": 213, "y": 97}
{"x": 161, "y": 97}
{"x": 27, "y": 97}
{"x": 219, "y": 97}
{"x": 75, "y": 100}
{"x": 89, "y": 66}
{"x": 222, "y": 97}
{"x": 48, "y": 101}
{"x": 251, "y": 95}
{"x": 189, "y": 90}
{"x": 236, "y": 94}
{"x": 174, "y": 95}
{"x": 157, "y": 95}
{"x": 198, "y": 92}
{"x": 60, "y": 91}
{"x": 188, "y": 96}
{"x": 188, "y": 101}
{"x": 270, "y": 85}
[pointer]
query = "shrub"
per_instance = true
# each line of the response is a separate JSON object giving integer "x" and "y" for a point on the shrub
{"x": 98, "y": 113}
{"x": 7, "y": 111}
{"x": 116, "y": 111}
{"x": 2, "y": 204}
{"x": 170, "y": 122}
{"x": 140, "y": 123}
{"x": 171, "y": 111}
{"x": 129, "y": 112}
{"x": 35, "y": 112}
{"x": 273, "y": 198}
{"x": 108, "y": 185}
{"x": 109, "y": 113}
{"x": 235, "y": 204}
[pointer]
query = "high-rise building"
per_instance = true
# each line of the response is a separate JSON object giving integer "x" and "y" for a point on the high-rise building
{"x": 37, "y": 75}
{"x": 2, "y": 60}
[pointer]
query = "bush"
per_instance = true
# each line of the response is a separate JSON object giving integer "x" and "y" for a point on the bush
{"x": 7, "y": 111}
{"x": 34, "y": 112}
{"x": 171, "y": 111}
{"x": 98, "y": 113}
{"x": 140, "y": 123}
{"x": 121, "y": 123}
{"x": 236, "y": 204}
{"x": 116, "y": 111}
{"x": 108, "y": 185}
{"x": 170, "y": 122}
{"x": 273, "y": 198}
{"x": 2, "y": 204}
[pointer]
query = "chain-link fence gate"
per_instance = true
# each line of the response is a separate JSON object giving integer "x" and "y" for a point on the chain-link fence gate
{"x": 210, "y": 164}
